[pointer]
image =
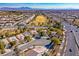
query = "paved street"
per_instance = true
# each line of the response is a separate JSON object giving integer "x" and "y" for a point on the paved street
{"x": 71, "y": 44}
{"x": 76, "y": 34}
{"x": 40, "y": 42}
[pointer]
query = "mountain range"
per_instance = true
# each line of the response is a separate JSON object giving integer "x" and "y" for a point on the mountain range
{"x": 20, "y": 8}
{"x": 28, "y": 8}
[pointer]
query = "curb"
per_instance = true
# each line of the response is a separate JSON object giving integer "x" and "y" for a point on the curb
{"x": 62, "y": 47}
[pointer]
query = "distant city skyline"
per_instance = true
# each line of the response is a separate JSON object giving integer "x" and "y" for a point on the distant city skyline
{"x": 42, "y": 5}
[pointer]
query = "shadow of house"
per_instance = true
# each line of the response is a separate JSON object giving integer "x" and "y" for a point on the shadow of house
{"x": 50, "y": 45}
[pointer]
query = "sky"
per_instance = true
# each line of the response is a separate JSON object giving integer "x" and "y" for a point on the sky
{"x": 42, "y": 5}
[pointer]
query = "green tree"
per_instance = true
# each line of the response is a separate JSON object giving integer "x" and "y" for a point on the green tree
{"x": 59, "y": 31}
{"x": 33, "y": 24}
{"x": 2, "y": 47}
{"x": 58, "y": 25}
{"x": 56, "y": 40}
{"x": 42, "y": 33}
{"x": 27, "y": 38}
{"x": 13, "y": 43}
{"x": 48, "y": 32}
